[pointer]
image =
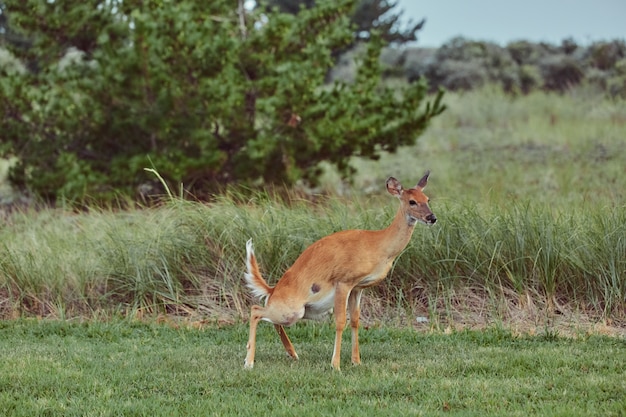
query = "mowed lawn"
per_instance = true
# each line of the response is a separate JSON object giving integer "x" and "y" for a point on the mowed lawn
{"x": 125, "y": 368}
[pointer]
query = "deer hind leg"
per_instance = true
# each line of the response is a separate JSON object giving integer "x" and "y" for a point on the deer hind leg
{"x": 255, "y": 316}
{"x": 354, "y": 307}
{"x": 286, "y": 342}
{"x": 280, "y": 315}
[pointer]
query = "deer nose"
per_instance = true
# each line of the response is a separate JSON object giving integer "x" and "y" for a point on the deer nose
{"x": 431, "y": 218}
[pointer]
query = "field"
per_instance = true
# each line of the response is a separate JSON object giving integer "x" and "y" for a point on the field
{"x": 133, "y": 369}
{"x": 520, "y": 287}
{"x": 542, "y": 149}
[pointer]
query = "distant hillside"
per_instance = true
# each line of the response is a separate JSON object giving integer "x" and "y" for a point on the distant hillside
{"x": 519, "y": 67}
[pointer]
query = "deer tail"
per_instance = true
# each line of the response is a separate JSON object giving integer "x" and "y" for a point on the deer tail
{"x": 254, "y": 280}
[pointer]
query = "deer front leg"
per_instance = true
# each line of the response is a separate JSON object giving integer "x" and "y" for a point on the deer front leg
{"x": 341, "y": 298}
{"x": 354, "y": 307}
{"x": 255, "y": 316}
{"x": 291, "y": 351}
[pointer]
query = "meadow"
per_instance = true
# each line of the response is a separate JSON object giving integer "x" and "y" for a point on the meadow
{"x": 514, "y": 303}
{"x": 133, "y": 368}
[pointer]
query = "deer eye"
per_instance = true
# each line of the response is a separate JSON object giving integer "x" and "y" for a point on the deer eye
{"x": 413, "y": 202}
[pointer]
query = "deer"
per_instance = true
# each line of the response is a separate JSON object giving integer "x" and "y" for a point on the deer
{"x": 332, "y": 273}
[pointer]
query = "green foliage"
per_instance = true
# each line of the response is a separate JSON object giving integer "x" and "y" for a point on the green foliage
{"x": 206, "y": 95}
{"x": 380, "y": 16}
{"x": 368, "y": 16}
{"x": 9, "y": 65}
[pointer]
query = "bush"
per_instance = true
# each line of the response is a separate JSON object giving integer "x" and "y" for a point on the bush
{"x": 417, "y": 61}
{"x": 604, "y": 55}
{"x": 529, "y": 78}
{"x": 461, "y": 64}
{"x": 521, "y": 66}
{"x": 616, "y": 86}
{"x": 560, "y": 72}
{"x": 392, "y": 61}
{"x": 459, "y": 75}
{"x": 528, "y": 53}
{"x": 9, "y": 64}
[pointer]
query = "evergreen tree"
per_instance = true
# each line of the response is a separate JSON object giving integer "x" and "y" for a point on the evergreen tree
{"x": 367, "y": 16}
{"x": 205, "y": 92}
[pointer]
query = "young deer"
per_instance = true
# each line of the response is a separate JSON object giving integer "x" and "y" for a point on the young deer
{"x": 332, "y": 273}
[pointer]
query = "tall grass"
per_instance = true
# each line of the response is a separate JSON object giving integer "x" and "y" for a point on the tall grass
{"x": 528, "y": 252}
{"x": 189, "y": 257}
{"x": 59, "y": 263}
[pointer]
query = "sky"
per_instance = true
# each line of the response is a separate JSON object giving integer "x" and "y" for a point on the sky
{"x": 503, "y": 21}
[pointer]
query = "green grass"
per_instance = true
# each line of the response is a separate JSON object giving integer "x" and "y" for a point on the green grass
{"x": 131, "y": 369}
{"x": 489, "y": 148}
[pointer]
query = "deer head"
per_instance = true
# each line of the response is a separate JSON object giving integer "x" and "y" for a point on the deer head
{"x": 414, "y": 201}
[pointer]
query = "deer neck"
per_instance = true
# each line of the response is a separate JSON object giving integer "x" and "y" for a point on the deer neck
{"x": 398, "y": 234}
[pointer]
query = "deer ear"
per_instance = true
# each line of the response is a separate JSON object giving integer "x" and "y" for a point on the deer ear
{"x": 394, "y": 187}
{"x": 422, "y": 183}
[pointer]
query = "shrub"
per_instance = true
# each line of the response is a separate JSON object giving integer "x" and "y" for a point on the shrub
{"x": 527, "y": 53}
{"x": 529, "y": 78}
{"x": 569, "y": 46}
{"x": 461, "y": 75}
{"x": 417, "y": 61}
{"x": 598, "y": 78}
{"x": 560, "y": 72}
{"x": 604, "y": 55}
{"x": 461, "y": 64}
{"x": 9, "y": 64}
{"x": 392, "y": 61}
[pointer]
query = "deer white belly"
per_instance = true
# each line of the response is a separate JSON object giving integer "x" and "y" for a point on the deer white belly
{"x": 318, "y": 309}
